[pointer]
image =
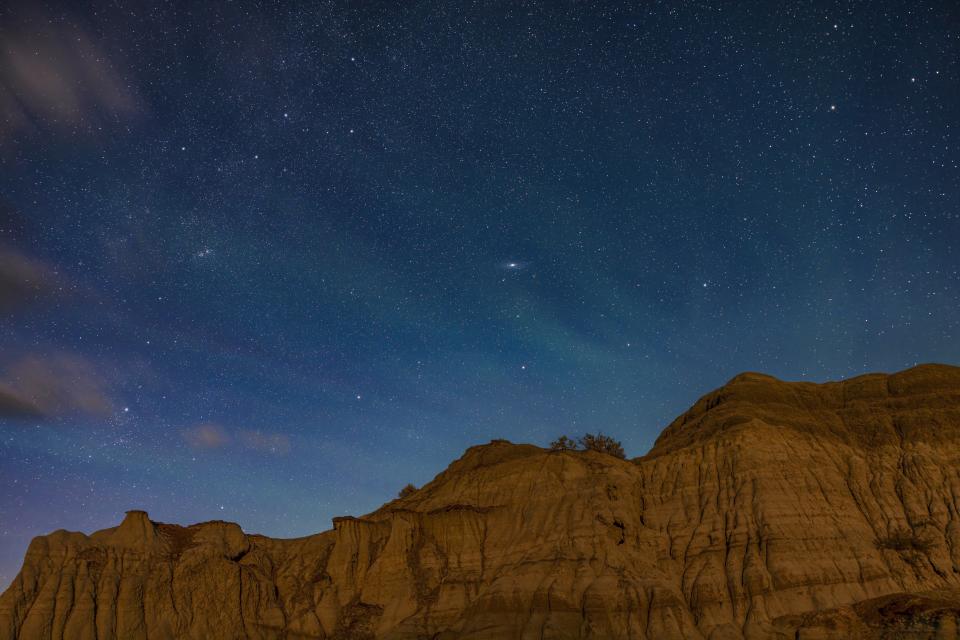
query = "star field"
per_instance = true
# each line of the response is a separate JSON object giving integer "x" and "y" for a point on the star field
{"x": 268, "y": 263}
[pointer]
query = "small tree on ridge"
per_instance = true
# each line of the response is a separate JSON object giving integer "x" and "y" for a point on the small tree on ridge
{"x": 602, "y": 444}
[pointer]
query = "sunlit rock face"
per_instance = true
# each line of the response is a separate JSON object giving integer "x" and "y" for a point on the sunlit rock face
{"x": 768, "y": 510}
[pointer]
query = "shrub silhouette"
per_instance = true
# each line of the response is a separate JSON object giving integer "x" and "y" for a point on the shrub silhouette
{"x": 904, "y": 539}
{"x": 407, "y": 491}
{"x": 590, "y": 442}
{"x": 602, "y": 444}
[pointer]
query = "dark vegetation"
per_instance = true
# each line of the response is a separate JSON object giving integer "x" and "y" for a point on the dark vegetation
{"x": 904, "y": 539}
{"x": 407, "y": 491}
{"x": 563, "y": 443}
{"x": 590, "y": 442}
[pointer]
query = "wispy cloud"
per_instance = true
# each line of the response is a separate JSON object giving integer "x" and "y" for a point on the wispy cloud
{"x": 50, "y": 386}
{"x": 23, "y": 279}
{"x": 213, "y": 436}
{"x": 14, "y": 406}
{"x": 206, "y": 436}
{"x": 53, "y": 73}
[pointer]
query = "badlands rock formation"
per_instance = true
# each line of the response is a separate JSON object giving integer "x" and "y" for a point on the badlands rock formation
{"x": 768, "y": 510}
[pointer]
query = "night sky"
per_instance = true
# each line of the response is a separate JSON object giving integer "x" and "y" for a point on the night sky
{"x": 268, "y": 263}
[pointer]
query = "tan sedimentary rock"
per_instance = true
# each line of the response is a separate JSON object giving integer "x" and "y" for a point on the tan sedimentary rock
{"x": 768, "y": 510}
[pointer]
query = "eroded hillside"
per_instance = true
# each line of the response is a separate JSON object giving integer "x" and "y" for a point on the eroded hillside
{"x": 769, "y": 509}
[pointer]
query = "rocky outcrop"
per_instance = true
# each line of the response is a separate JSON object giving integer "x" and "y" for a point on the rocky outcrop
{"x": 768, "y": 510}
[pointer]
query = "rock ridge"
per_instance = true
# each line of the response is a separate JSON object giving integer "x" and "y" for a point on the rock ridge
{"x": 770, "y": 509}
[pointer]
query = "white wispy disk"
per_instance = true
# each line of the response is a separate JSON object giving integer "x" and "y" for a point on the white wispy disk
{"x": 513, "y": 265}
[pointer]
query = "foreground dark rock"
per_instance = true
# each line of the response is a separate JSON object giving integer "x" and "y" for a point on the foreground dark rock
{"x": 768, "y": 510}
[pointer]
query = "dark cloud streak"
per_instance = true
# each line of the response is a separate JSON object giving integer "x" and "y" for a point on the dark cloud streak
{"x": 15, "y": 407}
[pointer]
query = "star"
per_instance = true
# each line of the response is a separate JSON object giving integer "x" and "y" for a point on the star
{"x": 456, "y": 234}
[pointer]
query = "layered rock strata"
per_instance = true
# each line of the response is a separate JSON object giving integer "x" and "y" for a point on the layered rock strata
{"x": 768, "y": 510}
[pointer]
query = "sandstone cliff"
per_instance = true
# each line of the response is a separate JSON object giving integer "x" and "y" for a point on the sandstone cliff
{"x": 768, "y": 510}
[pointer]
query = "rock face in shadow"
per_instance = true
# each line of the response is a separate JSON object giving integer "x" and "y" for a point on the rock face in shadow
{"x": 768, "y": 510}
